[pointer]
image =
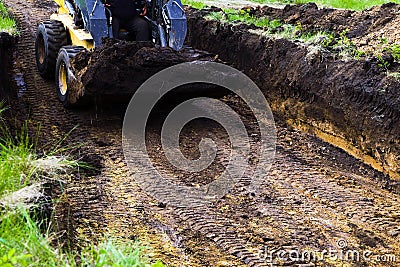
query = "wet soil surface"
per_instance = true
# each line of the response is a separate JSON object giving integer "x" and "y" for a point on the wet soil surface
{"x": 131, "y": 64}
{"x": 315, "y": 197}
{"x": 343, "y": 102}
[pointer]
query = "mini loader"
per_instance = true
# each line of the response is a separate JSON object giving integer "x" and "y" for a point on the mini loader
{"x": 81, "y": 25}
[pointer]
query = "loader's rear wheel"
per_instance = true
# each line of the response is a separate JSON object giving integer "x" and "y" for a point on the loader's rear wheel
{"x": 50, "y": 37}
{"x": 63, "y": 75}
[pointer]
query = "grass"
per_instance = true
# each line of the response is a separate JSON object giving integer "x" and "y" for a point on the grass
{"x": 23, "y": 240}
{"x": 394, "y": 50}
{"x": 339, "y": 44}
{"x": 7, "y": 23}
{"x": 345, "y": 4}
{"x": 194, "y": 4}
{"x": 19, "y": 164}
{"x": 241, "y": 16}
{"x": 110, "y": 252}
{"x": 23, "y": 244}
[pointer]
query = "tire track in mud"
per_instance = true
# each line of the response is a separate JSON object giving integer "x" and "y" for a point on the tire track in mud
{"x": 310, "y": 200}
{"x": 306, "y": 204}
{"x": 86, "y": 199}
{"x": 46, "y": 113}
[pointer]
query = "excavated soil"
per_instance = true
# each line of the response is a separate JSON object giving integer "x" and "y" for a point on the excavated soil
{"x": 365, "y": 28}
{"x": 120, "y": 67}
{"x": 353, "y": 104}
{"x": 316, "y": 197}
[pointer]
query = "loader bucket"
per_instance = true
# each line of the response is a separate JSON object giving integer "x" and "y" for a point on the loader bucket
{"x": 177, "y": 33}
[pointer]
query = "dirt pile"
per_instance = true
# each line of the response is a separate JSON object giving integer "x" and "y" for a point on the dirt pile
{"x": 120, "y": 67}
{"x": 354, "y": 105}
{"x": 367, "y": 29}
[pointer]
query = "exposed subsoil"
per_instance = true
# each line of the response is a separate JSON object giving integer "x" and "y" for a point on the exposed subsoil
{"x": 353, "y": 104}
{"x": 314, "y": 195}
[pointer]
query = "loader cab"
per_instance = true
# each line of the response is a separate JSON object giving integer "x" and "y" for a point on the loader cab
{"x": 80, "y": 25}
{"x": 83, "y": 20}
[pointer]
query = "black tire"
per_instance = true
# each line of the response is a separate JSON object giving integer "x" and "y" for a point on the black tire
{"x": 62, "y": 74}
{"x": 50, "y": 37}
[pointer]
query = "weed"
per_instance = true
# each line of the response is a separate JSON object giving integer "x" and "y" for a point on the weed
{"x": 345, "y": 4}
{"x": 110, "y": 252}
{"x": 23, "y": 242}
{"x": 7, "y": 23}
{"x": 234, "y": 16}
{"x": 194, "y": 4}
{"x": 394, "y": 50}
{"x": 218, "y": 16}
{"x": 384, "y": 64}
{"x": 395, "y": 75}
{"x": 345, "y": 47}
{"x": 321, "y": 38}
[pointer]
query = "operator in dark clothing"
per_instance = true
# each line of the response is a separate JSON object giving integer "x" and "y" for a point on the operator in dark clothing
{"x": 128, "y": 14}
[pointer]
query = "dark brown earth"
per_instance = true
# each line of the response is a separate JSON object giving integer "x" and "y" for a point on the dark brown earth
{"x": 365, "y": 28}
{"x": 120, "y": 67}
{"x": 353, "y": 104}
{"x": 7, "y": 44}
{"x": 314, "y": 196}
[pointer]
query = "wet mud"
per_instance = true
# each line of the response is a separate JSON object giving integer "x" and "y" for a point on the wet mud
{"x": 314, "y": 196}
{"x": 120, "y": 67}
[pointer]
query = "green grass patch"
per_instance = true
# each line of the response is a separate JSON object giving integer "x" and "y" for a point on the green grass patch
{"x": 24, "y": 241}
{"x": 242, "y": 16}
{"x": 394, "y": 50}
{"x": 111, "y": 252}
{"x": 345, "y": 4}
{"x": 194, "y": 4}
{"x": 19, "y": 164}
{"x": 23, "y": 244}
{"x": 7, "y": 23}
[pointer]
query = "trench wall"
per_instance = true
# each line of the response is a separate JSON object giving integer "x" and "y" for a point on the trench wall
{"x": 350, "y": 104}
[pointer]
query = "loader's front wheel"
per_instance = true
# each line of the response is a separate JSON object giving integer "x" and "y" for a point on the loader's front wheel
{"x": 67, "y": 94}
{"x": 50, "y": 37}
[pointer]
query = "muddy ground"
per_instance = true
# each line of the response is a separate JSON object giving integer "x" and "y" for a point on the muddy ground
{"x": 365, "y": 28}
{"x": 7, "y": 44}
{"x": 315, "y": 196}
{"x": 352, "y": 103}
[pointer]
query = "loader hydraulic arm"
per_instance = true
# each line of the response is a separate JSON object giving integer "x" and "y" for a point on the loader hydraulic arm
{"x": 168, "y": 23}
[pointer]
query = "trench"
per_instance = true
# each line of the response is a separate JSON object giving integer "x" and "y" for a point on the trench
{"x": 351, "y": 104}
